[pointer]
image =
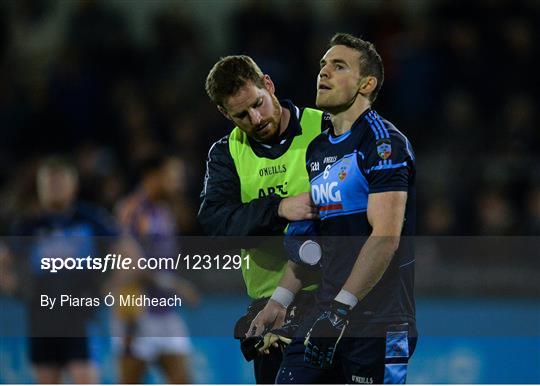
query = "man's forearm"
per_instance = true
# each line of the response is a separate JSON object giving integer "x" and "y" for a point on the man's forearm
{"x": 372, "y": 262}
{"x": 292, "y": 278}
{"x": 230, "y": 217}
{"x": 273, "y": 314}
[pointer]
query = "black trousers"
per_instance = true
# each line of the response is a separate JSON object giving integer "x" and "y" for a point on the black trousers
{"x": 267, "y": 366}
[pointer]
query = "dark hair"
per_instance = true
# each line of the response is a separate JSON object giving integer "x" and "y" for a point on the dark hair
{"x": 229, "y": 75}
{"x": 370, "y": 60}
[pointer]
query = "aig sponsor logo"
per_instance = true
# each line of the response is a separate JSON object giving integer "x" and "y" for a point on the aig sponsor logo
{"x": 326, "y": 192}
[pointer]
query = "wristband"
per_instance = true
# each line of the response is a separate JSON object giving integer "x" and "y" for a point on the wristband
{"x": 347, "y": 298}
{"x": 283, "y": 296}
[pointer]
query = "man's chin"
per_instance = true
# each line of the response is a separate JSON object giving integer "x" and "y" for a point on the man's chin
{"x": 267, "y": 136}
{"x": 322, "y": 104}
{"x": 331, "y": 108}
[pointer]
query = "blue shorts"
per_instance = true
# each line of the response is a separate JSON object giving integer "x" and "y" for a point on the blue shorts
{"x": 379, "y": 358}
{"x": 58, "y": 351}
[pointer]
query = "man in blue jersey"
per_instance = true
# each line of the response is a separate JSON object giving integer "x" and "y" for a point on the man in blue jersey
{"x": 62, "y": 227}
{"x": 362, "y": 176}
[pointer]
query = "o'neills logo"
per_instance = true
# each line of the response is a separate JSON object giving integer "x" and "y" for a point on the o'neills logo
{"x": 271, "y": 170}
{"x": 362, "y": 380}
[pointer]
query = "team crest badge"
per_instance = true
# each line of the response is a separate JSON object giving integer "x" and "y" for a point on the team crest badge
{"x": 342, "y": 173}
{"x": 384, "y": 149}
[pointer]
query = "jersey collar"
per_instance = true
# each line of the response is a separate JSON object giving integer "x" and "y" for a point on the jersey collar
{"x": 333, "y": 138}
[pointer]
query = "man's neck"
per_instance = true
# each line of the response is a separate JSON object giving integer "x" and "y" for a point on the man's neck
{"x": 344, "y": 120}
{"x": 284, "y": 121}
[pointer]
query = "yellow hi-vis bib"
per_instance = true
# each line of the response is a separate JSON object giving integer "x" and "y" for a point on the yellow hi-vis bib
{"x": 260, "y": 177}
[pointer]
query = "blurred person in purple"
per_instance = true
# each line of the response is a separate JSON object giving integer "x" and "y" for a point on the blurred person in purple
{"x": 154, "y": 334}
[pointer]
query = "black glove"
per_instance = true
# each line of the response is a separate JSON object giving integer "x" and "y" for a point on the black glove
{"x": 323, "y": 337}
{"x": 250, "y": 347}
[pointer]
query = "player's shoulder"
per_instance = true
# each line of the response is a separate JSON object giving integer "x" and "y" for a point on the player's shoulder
{"x": 220, "y": 147}
{"x": 381, "y": 130}
{"x": 223, "y": 141}
{"x": 383, "y": 142}
{"x": 317, "y": 141}
{"x": 320, "y": 120}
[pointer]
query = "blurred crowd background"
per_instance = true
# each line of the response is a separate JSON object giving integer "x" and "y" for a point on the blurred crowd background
{"x": 110, "y": 83}
{"x": 117, "y": 86}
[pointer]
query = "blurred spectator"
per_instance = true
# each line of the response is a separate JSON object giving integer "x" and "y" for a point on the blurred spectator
{"x": 72, "y": 73}
{"x": 459, "y": 118}
{"x": 101, "y": 178}
{"x": 413, "y": 90}
{"x": 495, "y": 214}
{"x": 518, "y": 136}
{"x": 176, "y": 176}
{"x": 533, "y": 211}
{"x": 8, "y": 278}
{"x": 37, "y": 33}
{"x": 440, "y": 218}
{"x": 269, "y": 46}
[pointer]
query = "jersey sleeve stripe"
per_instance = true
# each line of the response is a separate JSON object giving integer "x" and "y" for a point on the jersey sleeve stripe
{"x": 386, "y": 166}
{"x": 381, "y": 123}
{"x": 373, "y": 128}
{"x": 378, "y": 127}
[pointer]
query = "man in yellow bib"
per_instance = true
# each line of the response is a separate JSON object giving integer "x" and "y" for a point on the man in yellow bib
{"x": 256, "y": 181}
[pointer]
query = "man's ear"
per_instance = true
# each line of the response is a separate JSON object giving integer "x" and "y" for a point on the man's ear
{"x": 368, "y": 84}
{"x": 268, "y": 84}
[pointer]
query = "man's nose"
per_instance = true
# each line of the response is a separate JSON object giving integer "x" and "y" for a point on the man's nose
{"x": 323, "y": 73}
{"x": 255, "y": 117}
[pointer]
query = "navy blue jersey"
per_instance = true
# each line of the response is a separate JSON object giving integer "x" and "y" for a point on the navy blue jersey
{"x": 70, "y": 233}
{"x": 372, "y": 157}
{"x": 78, "y": 232}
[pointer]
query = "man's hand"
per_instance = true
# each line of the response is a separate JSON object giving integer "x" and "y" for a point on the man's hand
{"x": 271, "y": 316}
{"x": 323, "y": 337}
{"x": 298, "y": 208}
